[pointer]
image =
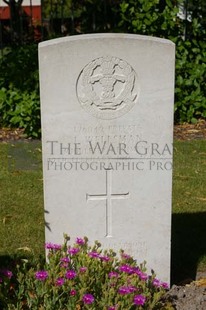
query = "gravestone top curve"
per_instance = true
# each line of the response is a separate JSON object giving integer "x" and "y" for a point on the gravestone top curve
{"x": 103, "y": 36}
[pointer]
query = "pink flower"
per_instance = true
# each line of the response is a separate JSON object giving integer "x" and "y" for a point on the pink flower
{"x": 83, "y": 269}
{"x": 65, "y": 259}
{"x": 41, "y": 275}
{"x": 139, "y": 300}
{"x": 94, "y": 254}
{"x": 80, "y": 241}
{"x": 156, "y": 282}
{"x": 73, "y": 292}
{"x": 123, "y": 290}
{"x": 165, "y": 285}
{"x": 104, "y": 258}
{"x": 7, "y": 273}
{"x": 132, "y": 288}
{"x": 113, "y": 274}
{"x": 126, "y": 268}
{"x": 141, "y": 274}
{"x": 59, "y": 282}
{"x": 88, "y": 299}
{"x": 70, "y": 274}
{"x": 125, "y": 256}
{"x": 64, "y": 262}
{"x": 53, "y": 246}
{"x": 73, "y": 251}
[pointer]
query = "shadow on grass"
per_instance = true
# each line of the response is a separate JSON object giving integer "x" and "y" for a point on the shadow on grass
{"x": 11, "y": 262}
{"x": 7, "y": 260}
{"x": 188, "y": 244}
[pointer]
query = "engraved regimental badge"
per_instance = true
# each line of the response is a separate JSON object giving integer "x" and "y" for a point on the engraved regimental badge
{"x": 107, "y": 87}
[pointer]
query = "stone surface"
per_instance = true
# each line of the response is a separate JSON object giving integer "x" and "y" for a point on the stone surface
{"x": 107, "y": 123}
{"x": 189, "y": 297}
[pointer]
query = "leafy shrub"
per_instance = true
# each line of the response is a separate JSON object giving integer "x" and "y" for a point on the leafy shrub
{"x": 19, "y": 89}
{"x": 19, "y": 68}
{"x": 150, "y": 18}
{"x": 190, "y": 90}
{"x": 81, "y": 277}
{"x": 20, "y": 109}
{"x": 160, "y": 18}
{"x": 19, "y": 80}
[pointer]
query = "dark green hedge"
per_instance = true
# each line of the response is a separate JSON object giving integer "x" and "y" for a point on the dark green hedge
{"x": 19, "y": 85}
{"x": 19, "y": 90}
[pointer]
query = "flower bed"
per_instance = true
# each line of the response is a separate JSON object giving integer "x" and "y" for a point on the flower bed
{"x": 80, "y": 277}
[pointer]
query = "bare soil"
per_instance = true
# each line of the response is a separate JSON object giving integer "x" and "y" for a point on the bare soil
{"x": 181, "y": 132}
{"x": 190, "y": 131}
{"x": 188, "y": 297}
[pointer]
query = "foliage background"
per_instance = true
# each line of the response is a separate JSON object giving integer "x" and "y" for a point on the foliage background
{"x": 183, "y": 22}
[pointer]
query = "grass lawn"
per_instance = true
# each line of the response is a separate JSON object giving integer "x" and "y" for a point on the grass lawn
{"x": 21, "y": 198}
{"x": 22, "y": 214}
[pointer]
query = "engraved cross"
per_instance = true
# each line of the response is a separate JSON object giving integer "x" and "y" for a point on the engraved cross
{"x": 108, "y": 196}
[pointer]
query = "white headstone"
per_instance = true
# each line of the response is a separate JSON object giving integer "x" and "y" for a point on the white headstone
{"x": 107, "y": 126}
